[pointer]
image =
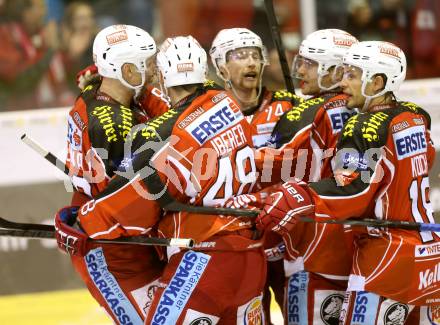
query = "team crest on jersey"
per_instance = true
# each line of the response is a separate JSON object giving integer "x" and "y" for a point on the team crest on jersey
{"x": 371, "y": 126}
{"x": 396, "y": 314}
{"x": 433, "y": 313}
{"x": 331, "y": 308}
{"x": 410, "y": 142}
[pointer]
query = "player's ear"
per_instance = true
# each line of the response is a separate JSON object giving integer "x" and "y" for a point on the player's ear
{"x": 126, "y": 70}
{"x": 379, "y": 82}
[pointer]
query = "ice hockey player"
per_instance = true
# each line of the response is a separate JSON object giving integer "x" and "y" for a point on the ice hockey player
{"x": 380, "y": 171}
{"x": 98, "y": 125}
{"x": 239, "y": 58}
{"x": 305, "y": 138}
{"x": 199, "y": 152}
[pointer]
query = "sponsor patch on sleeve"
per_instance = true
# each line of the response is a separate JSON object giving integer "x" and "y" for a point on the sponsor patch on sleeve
{"x": 74, "y": 134}
{"x": 410, "y": 142}
{"x": 338, "y": 116}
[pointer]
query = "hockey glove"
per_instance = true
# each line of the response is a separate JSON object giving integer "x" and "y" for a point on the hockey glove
{"x": 243, "y": 201}
{"x": 283, "y": 207}
{"x": 70, "y": 238}
{"x": 86, "y": 76}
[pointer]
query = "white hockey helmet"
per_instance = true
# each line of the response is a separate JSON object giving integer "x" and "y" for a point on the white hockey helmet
{"x": 182, "y": 61}
{"x": 376, "y": 57}
{"x": 230, "y": 39}
{"x": 119, "y": 44}
{"x": 326, "y": 47}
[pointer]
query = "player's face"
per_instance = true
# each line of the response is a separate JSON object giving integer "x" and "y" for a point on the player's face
{"x": 306, "y": 71}
{"x": 244, "y": 67}
{"x": 351, "y": 85}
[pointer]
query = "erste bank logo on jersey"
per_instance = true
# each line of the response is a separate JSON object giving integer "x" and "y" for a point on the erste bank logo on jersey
{"x": 221, "y": 116}
{"x": 410, "y": 142}
{"x": 338, "y": 116}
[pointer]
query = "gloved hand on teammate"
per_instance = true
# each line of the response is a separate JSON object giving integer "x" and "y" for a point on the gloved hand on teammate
{"x": 249, "y": 201}
{"x": 284, "y": 206}
{"x": 70, "y": 238}
{"x": 86, "y": 76}
{"x": 244, "y": 201}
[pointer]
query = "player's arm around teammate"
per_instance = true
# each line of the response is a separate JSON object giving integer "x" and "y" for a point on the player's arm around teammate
{"x": 375, "y": 161}
{"x": 119, "y": 278}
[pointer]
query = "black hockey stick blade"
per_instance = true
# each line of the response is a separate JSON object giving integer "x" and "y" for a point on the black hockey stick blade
{"x": 377, "y": 223}
{"x": 275, "y": 32}
{"x": 25, "y": 226}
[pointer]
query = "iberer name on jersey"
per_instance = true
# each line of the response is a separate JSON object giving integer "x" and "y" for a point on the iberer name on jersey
{"x": 229, "y": 140}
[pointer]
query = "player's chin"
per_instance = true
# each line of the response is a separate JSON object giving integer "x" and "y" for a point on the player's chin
{"x": 250, "y": 83}
{"x": 351, "y": 102}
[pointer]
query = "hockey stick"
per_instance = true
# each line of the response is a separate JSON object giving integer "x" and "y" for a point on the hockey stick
{"x": 45, "y": 154}
{"x": 377, "y": 223}
{"x": 276, "y": 37}
{"x": 167, "y": 202}
{"x": 35, "y": 231}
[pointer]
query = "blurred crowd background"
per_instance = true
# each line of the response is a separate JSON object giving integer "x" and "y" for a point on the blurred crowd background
{"x": 44, "y": 43}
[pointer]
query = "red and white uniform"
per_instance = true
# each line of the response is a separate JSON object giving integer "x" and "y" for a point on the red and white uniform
{"x": 381, "y": 171}
{"x": 263, "y": 118}
{"x": 305, "y": 139}
{"x": 201, "y": 153}
{"x": 153, "y": 102}
{"x": 118, "y": 278}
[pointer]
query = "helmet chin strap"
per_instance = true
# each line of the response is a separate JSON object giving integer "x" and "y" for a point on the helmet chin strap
{"x": 324, "y": 89}
{"x": 368, "y": 98}
{"x": 137, "y": 89}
